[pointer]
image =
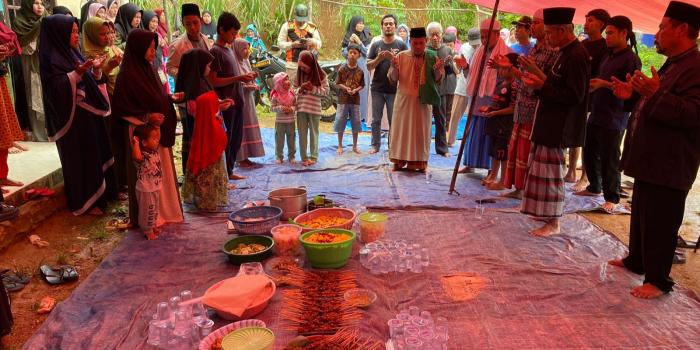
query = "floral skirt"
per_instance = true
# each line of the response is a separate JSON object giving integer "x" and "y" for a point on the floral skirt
{"x": 207, "y": 190}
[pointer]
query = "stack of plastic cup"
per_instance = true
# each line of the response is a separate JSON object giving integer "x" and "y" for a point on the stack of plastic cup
{"x": 416, "y": 329}
{"x": 385, "y": 256}
{"x": 175, "y": 326}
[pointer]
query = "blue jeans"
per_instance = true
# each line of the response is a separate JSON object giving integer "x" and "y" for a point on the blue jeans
{"x": 379, "y": 99}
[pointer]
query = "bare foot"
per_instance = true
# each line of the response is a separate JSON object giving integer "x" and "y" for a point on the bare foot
{"x": 150, "y": 235}
{"x": 357, "y": 151}
{"x": 550, "y": 228}
{"x": 496, "y": 186}
{"x": 488, "y": 180}
{"x": 517, "y": 194}
{"x": 305, "y": 163}
{"x": 647, "y": 291}
{"x": 14, "y": 150}
{"x": 373, "y": 151}
{"x": 279, "y": 161}
{"x": 570, "y": 177}
{"x": 617, "y": 262}
{"x": 237, "y": 177}
{"x": 10, "y": 182}
{"x": 339, "y": 151}
{"x": 580, "y": 185}
{"x": 231, "y": 186}
{"x": 609, "y": 207}
{"x": 4, "y": 191}
{"x": 586, "y": 193}
{"x": 396, "y": 167}
{"x": 312, "y": 161}
{"x": 156, "y": 230}
{"x": 446, "y": 155}
{"x": 292, "y": 161}
{"x": 465, "y": 170}
{"x": 246, "y": 163}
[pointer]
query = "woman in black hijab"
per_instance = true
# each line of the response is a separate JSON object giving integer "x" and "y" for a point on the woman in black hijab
{"x": 128, "y": 18}
{"x": 191, "y": 81}
{"x": 208, "y": 29}
{"x": 75, "y": 101}
{"x": 62, "y": 10}
{"x": 357, "y": 27}
{"x": 140, "y": 98}
{"x": 149, "y": 16}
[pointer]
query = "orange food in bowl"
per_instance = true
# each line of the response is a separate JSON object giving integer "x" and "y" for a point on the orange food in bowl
{"x": 324, "y": 221}
{"x": 326, "y": 238}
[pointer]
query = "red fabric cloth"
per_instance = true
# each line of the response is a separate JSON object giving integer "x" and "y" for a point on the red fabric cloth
{"x": 209, "y": 138}
{"x": 518, "y": 153}
{"x": 645, "y": 14}
{"x": 4, "y": 169}
{"x": 7, "y": 36}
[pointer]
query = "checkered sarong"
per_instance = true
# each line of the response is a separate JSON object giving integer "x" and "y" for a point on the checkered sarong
{"x": 544, "y": 184}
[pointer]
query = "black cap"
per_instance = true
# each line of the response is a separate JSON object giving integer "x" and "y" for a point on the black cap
{"x": 417, "y": 33}
{"x": 600, "y": 15}
{"x": 524, "y": 21}
{"x": 559, "y": 15}
{"x": 190, "y": 9}
{"x": 449, "y": 38}
{"x": 684, "y": 12}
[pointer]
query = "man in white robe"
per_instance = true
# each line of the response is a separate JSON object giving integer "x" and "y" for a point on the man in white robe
{"x": 418, "y": 73}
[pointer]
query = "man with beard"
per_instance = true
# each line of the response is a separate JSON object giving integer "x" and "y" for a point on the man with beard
{"x": 662, "y": 148}
{"x": 417, "y": 73}
{"x": 559, "y": 122}
{"x": 383, "y": 92}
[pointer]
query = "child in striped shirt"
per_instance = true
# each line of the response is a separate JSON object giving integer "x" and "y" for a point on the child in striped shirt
{"x": 284, "y": 104}
{"x": 313, "y": 85}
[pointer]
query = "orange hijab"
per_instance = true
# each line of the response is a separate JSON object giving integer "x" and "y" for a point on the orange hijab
{"x": 209, "y": 138}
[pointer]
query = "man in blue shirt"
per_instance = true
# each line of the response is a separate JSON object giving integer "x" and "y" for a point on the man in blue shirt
{"x": 522, "y": 35}
{"x": 608, "y": 119}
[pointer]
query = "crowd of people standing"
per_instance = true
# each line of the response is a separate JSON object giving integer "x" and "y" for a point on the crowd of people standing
{"x": 99, "y": 86}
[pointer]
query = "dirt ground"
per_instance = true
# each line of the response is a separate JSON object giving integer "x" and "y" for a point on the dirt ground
{"x": 84, "y": 243}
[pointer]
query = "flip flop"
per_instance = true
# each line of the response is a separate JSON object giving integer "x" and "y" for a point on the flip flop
{"x": 12, "y": 281}
{"x": 60, "y": 275}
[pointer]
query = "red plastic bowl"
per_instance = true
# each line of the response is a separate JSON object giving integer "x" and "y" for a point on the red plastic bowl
{"x": 250, "y": 312}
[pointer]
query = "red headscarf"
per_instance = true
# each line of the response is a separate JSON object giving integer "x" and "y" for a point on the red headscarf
{"x": 315, "y": 76}
{"x": 162, "y": 25}
{"x": 209, "y": 138}
{"x": 7, "y": 36}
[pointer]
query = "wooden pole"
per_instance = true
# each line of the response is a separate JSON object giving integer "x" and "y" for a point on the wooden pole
{"x": 470, "y": 116}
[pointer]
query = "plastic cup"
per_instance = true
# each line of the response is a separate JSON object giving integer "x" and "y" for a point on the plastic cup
{"x": 251, "y": 268}
{"x": 425, "y": 257}
{"x": 162, "y": 311}
{"x": 479, "y": 211}
{"x": 205, "y": 328}
{"x": 372, "y": 226}
{"x": 154, "y": 333}
{"x": 394, "y": 325}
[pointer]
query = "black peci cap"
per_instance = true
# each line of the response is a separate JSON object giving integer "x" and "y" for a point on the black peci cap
{"x": 417, "y": 33}
{"x": 190, "y": 9}
{"x": 559, "y": 15}
{"x": 684, "y": 12}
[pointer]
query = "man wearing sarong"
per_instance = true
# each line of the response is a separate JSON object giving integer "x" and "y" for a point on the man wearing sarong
{"x": 418, "y": 73}
{"x": 662, "y": 148}
{"x": 560, "y": 120}
{"x": 539, "y": 60}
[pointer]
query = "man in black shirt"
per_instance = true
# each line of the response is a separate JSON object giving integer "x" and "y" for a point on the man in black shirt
{"x": 608, "y": 118}
{"x": 596, "y": 21}
{"x": 662, "y": 148}
{"x": 560, "y": 120}
{"x": 383, "y": 92}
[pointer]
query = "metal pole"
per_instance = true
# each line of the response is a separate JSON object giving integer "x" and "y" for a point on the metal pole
{"x": 470, "y": 116}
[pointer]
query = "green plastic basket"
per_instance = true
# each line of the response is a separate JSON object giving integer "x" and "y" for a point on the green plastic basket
{"x": 331, "y": 255}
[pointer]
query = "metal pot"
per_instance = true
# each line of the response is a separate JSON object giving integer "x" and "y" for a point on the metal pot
{"x": 291, "y": 200}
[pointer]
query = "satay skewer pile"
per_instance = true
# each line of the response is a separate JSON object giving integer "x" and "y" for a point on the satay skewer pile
{"x": 316, "y": 305}
{"x": 344, "y": 339}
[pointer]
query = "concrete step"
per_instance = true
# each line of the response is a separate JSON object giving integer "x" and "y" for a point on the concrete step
{"x": 38, "y": 167}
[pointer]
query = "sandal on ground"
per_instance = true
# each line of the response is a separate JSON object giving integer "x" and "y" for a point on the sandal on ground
{"x": 59, "y": 275}
{"x": 14, "y": 281}
{"x": 8, "y": 212}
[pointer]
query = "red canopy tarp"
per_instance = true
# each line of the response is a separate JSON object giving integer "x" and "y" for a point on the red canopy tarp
{"x": 645, "y": 14}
